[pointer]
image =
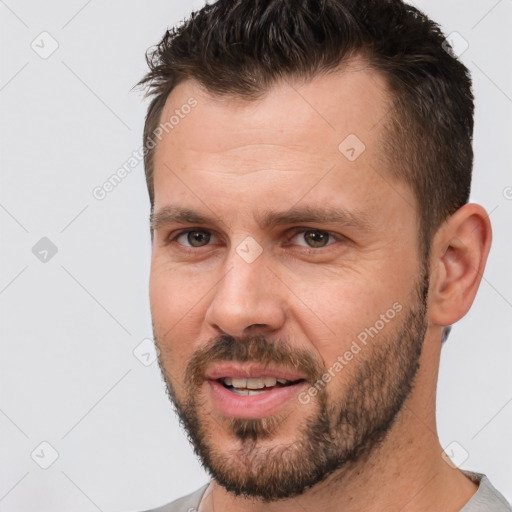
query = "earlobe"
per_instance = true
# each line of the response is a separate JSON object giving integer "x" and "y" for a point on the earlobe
{"x": 458, "y": 258}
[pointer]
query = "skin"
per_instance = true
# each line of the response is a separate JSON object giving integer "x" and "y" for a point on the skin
{"x": 234, "y": 159}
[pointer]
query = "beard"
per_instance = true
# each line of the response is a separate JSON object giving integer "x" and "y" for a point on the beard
{"x": 341, "y": 430}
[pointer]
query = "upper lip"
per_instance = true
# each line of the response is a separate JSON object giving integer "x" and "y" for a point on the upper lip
{"x": 251, "y": 370}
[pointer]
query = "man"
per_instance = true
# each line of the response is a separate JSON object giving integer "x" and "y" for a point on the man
{"x": 309, "y": 168}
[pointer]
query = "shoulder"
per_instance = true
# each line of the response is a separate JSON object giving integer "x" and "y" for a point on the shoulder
{"x": 188, "y": 503}
{"x": 486, "y": 498}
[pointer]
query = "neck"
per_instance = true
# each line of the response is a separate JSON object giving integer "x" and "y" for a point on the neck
{"x": 405, "y": 472}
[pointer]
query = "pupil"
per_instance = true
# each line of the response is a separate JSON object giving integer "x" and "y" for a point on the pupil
{"x": 318, "y": 238}
{"x": 196, "y": 238}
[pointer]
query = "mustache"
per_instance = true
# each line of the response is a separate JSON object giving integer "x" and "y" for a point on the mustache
{"x": 256, "y": 348}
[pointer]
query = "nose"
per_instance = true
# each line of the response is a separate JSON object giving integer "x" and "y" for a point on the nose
{"x": 247, "y": 299}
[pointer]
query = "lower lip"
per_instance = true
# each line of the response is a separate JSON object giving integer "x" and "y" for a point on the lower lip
{"x": 252, "y": 406}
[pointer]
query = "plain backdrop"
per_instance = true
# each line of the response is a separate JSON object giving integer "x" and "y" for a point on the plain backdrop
{"x": 77, "y": 391}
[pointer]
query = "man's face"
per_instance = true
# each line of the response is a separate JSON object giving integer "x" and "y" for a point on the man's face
{"x": 323, "y": 316}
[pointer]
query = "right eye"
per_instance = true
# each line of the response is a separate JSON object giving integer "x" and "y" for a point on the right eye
{"x": 192, "y": 238}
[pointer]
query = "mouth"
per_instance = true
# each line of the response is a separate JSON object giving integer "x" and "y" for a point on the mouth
{"x": 252, "y": 391}
{"x": 255, "y": 385}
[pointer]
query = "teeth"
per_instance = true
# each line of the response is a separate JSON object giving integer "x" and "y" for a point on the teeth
{"x": 251, "y": 392}
{"x": 253, "y": 383}
{"x": 270, "y": 381}
{"x": 246, "y": 392}
{"x": 239, "y": 383}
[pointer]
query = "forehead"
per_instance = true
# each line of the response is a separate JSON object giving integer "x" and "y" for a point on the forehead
{"x": 286, "y": 141}
{"x": 350, "y": 100}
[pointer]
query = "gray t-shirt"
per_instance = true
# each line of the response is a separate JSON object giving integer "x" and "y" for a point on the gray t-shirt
{"x": 486, "y": 499}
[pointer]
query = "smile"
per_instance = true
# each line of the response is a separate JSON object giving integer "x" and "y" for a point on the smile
{"x": 249, "y": 390}
{"x": 254, "y": 386}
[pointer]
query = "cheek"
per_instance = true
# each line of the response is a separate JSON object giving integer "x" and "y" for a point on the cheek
{"x": 345, "y": 310}
{"x": 175, "y": 295}
{"x": 172, "y": 301}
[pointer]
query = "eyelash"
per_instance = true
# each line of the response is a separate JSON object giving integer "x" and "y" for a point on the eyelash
{"x": 295, "y": 232}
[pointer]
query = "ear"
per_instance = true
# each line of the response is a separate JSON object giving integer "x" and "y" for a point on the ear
{"x": 458, "y": 256}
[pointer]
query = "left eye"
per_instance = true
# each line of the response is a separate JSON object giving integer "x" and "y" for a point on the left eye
{"x": 314, "y": 238}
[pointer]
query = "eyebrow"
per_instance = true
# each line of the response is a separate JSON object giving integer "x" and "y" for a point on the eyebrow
{"x": 269, "y": 219}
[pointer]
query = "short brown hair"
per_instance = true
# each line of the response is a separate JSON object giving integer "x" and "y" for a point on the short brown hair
{"x": 243, "y": 47}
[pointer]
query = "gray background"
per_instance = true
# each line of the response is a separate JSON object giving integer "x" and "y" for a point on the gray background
{"x": 73, "y": 372}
